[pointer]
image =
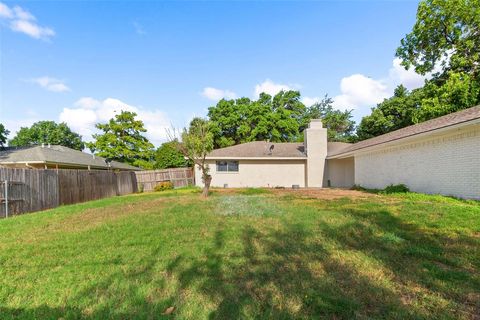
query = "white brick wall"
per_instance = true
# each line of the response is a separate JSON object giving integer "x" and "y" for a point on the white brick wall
{"x": 447, "y": 164}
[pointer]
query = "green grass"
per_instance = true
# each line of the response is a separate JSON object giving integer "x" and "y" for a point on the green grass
{"x": 246, "y": 254}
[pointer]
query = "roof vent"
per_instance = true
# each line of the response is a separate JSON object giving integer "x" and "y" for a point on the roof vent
{"x": 43, "y": 145}
{"x": 49, "y": 146}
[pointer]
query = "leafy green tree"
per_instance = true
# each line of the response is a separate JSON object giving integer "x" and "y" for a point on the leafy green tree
{"x": 391, "y": 114}
{"x": 48, "y": 132}
{"x": 339, "y": 124}
{"x": 122, "y": 140}
{"x": 280, "y": 118}
{"x": 460, "y": 91}
{"x": 3, "y": 135}
{"x": 197, "y": 143}
{"x": 447, "y": 32}
{"x": 168, "y": 156}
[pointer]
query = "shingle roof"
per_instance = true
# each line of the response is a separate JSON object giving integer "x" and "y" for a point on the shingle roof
{"x": 60, "y": 155}
{"x": 427, "y": 126}
{"x": 261, "y": 149}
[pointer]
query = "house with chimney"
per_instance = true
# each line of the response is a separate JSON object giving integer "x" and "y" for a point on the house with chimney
{"x": 439, "y": 156}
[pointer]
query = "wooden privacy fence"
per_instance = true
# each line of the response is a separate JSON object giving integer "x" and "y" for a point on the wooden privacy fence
{"x": 34, "y": 190}
{"x": 179, "y": 177}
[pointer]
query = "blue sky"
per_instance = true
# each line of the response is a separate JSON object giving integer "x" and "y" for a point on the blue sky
{"x": 80, "y": 61}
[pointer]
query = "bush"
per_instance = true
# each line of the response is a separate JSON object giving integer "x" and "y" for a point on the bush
{"x": 397, "y": 188}
{"x": 164, "y": 185}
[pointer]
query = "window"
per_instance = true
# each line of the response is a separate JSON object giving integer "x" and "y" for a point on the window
{"x": 227, "y": 166}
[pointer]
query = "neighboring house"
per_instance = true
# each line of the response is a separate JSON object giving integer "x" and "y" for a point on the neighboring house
{"x": 441, "y": 156}
{"x": 56, "y": 157}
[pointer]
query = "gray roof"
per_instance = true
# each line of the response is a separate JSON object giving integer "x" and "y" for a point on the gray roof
{"x": 261, "y": 149}
{"x": 56, "y": 154}
{"x": 423, "y": 127}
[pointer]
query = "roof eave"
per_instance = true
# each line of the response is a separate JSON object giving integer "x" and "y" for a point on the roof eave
{"x": 404, "y": 139}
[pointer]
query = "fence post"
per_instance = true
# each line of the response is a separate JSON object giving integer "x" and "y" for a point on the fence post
{"x": 6, "y": 198}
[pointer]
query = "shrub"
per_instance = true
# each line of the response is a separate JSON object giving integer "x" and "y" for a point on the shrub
{"x": 397, "y": 188}
{"x": 164, "y": 185}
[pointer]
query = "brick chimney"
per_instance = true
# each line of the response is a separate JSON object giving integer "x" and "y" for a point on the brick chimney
{"x": 315, "y": 142}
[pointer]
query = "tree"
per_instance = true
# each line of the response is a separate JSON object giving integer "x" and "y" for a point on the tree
{"x": 446, "y": 33}
{"x": 168, "y": 156}
{"x": 122, "y": 140}
{"x": 458, "y": 92}
{"x": 3, "y": 135}
{"x": 280, "y": 118}
{"x": 197, "y": 143}
{"x": 48, "y": 132}
{"x": 391, "y": 114}
{"x": 339, "y": 124}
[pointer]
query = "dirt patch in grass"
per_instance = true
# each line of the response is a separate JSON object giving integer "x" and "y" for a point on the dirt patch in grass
{"x": 325, "y": 194}
{"x": 314, "y": 193}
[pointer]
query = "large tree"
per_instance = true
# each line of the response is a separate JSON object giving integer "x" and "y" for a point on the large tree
{"x": 123, "y": 140}
{"x": 280, "y": 118}
{"x": 168, "y": 156}
{"x": 339, "y": 124}
{"x": 391, "y": 114}
{"x": 3, "y": 135}
{"x": 446, "y": 33}
{"x": 445, "y": 41}
{"x": 48, "y": 132}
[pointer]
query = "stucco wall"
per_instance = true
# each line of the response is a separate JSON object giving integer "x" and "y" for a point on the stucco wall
{"x": 448, "y": 164}
{"x": 258, "y": 173}
{"x": 340, "y": 172}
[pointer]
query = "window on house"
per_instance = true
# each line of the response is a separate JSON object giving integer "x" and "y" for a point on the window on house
{"x": 227, "y": 166}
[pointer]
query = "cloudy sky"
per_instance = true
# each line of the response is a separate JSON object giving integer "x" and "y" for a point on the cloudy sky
{"x": 82, "y": 61}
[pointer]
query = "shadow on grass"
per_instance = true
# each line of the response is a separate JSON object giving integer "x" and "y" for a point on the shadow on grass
{"x": 292, "y": 272}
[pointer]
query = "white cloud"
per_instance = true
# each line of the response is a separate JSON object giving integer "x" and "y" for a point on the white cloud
{"x": 5, "y": 11}
{"x": 359, "y": 90}
{"x": 218, "y": 94}
{"x": 309, "y": 101}
{"x": 20, "y": 20}
{"x": 88, "y": 111}
{"x": 409, "y": 78}
{"x": 360, "y": 93}
{"x": 271, "y": 88}
{"x": 51, "y": 84}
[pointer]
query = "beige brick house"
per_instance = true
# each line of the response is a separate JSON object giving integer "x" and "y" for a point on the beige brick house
{"x": 437, "y": 156}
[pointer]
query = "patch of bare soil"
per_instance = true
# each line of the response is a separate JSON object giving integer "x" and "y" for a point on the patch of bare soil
{"x": 315, "y": 193}
{"x": 325, "y": 193}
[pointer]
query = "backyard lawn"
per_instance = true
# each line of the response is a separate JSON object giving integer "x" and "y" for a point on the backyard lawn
{"x": 250, "y": 253}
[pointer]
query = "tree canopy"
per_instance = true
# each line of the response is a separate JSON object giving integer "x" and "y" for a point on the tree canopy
{"x": 445, "y": 41}
{"x": 168, "y": 156}
{"x": 446, "y": 33}
{"x": 279, "y": 118}
{"x": 339, "y": 124}
{"x": 48, "y": 132}
{"x": 122, "y": 140}
{"x": 3, "y": 135}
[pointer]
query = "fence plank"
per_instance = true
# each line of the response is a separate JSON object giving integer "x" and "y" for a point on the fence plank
{"x": 37, "y": 189}
{"x": 179, "y": 177}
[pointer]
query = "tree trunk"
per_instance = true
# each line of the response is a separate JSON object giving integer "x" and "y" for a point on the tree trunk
{"x": 206, "y": 185}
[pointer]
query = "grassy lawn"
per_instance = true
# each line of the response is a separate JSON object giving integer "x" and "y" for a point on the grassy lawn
{"x": 244, "y": 254}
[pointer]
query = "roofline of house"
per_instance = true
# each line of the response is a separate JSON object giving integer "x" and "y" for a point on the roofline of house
{"x": 405, "y": 139}
{"x": 56, "y": 163}
{"x": 255, "y": 158}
